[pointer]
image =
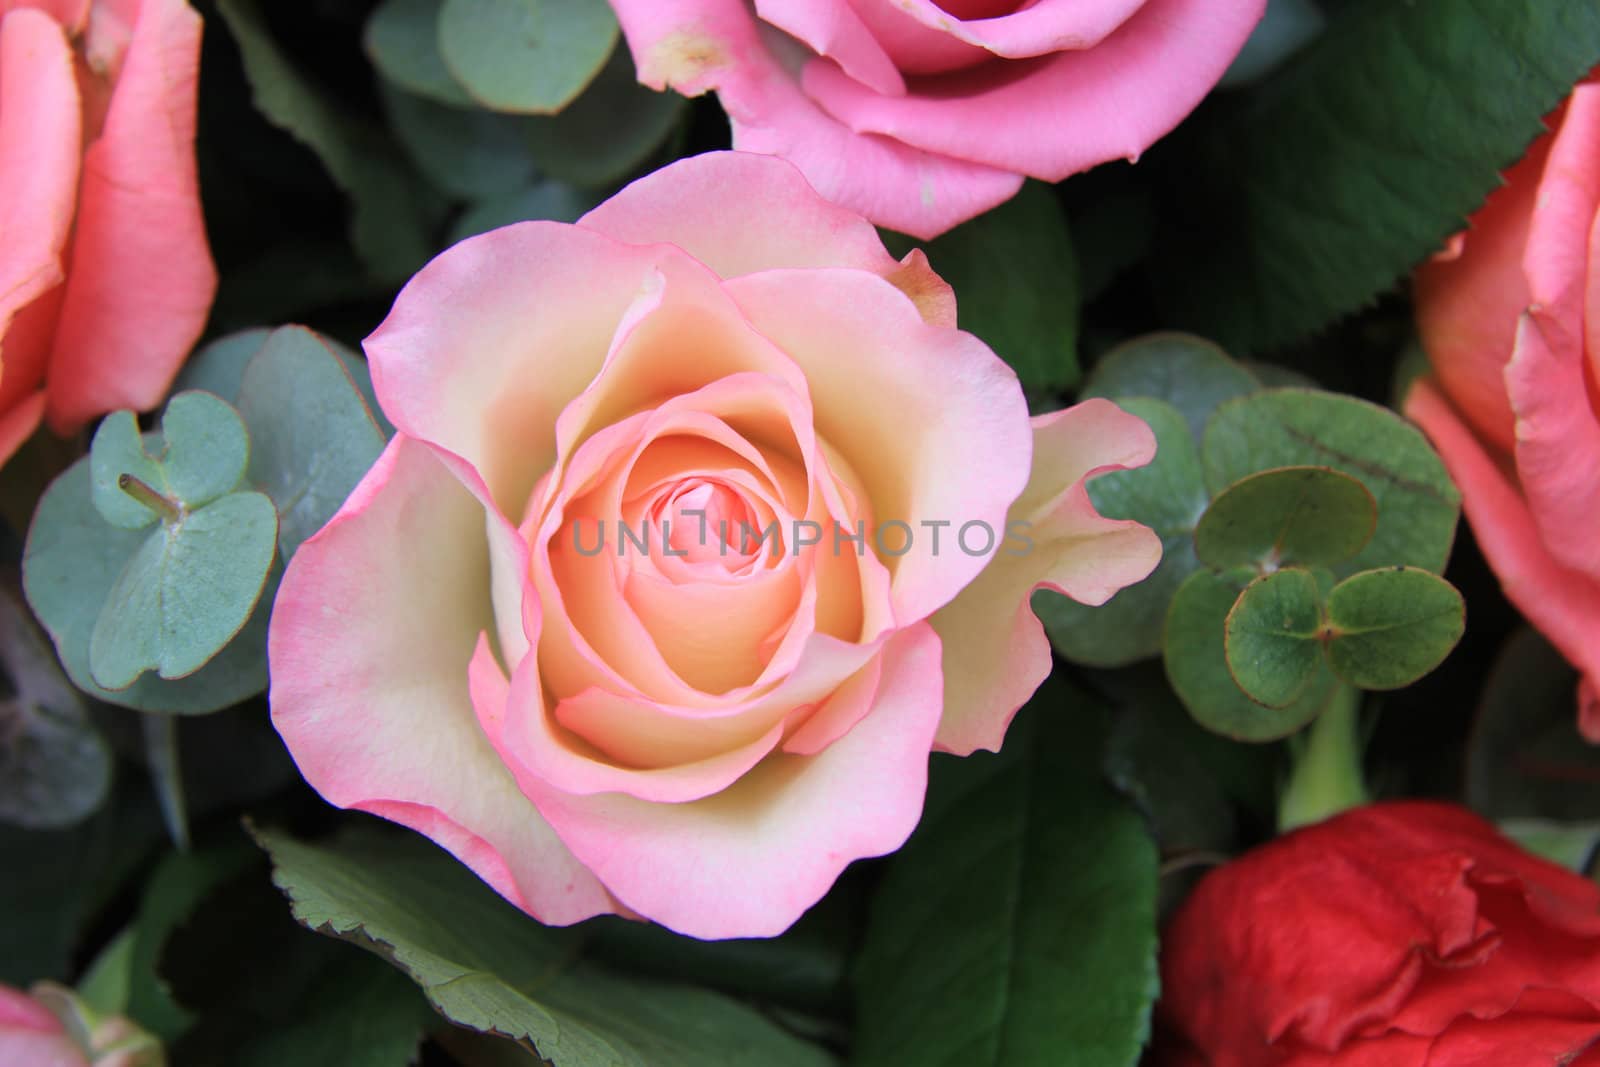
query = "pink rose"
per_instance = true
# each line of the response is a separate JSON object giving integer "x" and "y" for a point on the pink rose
{"x": 105, "y": 275}
{"x": 1510, "y": 318}
{"x": 920, "y": 114}
{"x": 704, "y": 719}
{"x": 32, "y": 1034}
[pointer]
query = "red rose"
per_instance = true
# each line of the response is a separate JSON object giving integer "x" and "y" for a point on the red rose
{"x": 1396, "y": 935}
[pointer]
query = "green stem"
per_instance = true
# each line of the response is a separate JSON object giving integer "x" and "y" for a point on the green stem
{"x": 1326, "y": 778}
{"x": 151, "y": 498}
{"x": 166, "y": 773}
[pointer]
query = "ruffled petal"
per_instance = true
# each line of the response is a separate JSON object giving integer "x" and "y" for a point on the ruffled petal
{"x": 719, "y": 47}
{"x": 834, "y": 29}
{"x": 995, "y": 650}
{"x": 141, "y": 282}
{"x": 40, "y": 142}
{"x": 372, "y": 635}
{"x": 1063, "y": 113}
{"x": 751, "y": 859}
{"x": 956, "y": 451}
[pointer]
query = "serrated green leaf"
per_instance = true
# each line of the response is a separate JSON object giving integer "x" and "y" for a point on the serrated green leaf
{"x": 185, "y": 592}
{"x": 608, "y": 130}
{"x": 1016, "y": 280}
{"x": 71, "y": 561}
{"x": 1390, "y": 627}
{"x": 1313, "y": 516}
{"x": 402, "y": 40}
{"x": 1417, "y": 503}
{"x": 314, "y": 437}
{"x": 1037, "y": 944}
{"x": 529, "y": 56}
{"x": 487, "y": 966}
{"x": 1188, "y": 372}
{"x": 1271, "y": 637}
{"x": 466, "y": 154}
{"x": 1304, "y": 197}
{"x": 1168, "y": 495}
{"x": 1194, "y": 653}
{"x": 390, "y": 209}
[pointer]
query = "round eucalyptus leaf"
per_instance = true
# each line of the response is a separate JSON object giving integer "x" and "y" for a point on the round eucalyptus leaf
{"x": 1271, "y": 637}
{"x": 1390, "y": 627}
{"x": 529, "y": 56}
{"x": 402, "y": 40}
{"x": 1313, "y": 516}
{"x": 1190, "y": 373}
{"x": 1195, "y": 655}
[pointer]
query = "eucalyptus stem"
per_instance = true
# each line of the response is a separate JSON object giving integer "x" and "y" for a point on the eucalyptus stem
{"x": 1326, "y": 778}
{"x": 150, "y": 497}
{"x": 166, "y": 774}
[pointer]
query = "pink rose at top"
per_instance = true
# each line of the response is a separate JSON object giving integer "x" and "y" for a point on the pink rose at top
{"x": 698, "y": 731}
{"x": 920, "y": 114}
{"x": 1510, "y": 319}
{"x": 105, "y": 275}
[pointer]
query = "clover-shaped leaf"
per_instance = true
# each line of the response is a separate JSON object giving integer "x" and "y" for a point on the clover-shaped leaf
{"x": 1313, "y": 516}
{"x": 1271, "y": 637}
{"x": 194, "y": 580}
{"x": 1390, "y": 627}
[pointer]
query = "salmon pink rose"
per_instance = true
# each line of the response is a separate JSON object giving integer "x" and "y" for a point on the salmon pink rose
{"x": 703, "y": 526}
{"x": 1510, "y": 318}
{"x": 105, "y": 275}
{"x": 920, "y": 114}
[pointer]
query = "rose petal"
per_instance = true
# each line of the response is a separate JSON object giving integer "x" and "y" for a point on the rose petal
{"x": 995, "y": 650}
{"x": 751, "y": 859}
{"x": 957, "y": 448}
{"x": 891, "y": 184}
{"x": 1546, "y": 380}
{"x": 1063, "y": 113}
{"x": 1564, "y": 605}
{"x": 40, "y": 141}
{"x": 142, "y": 279}
{"x": 832, "y": 28}
{"x": 372, "y": 633}
{"x": 1028, "y": 30}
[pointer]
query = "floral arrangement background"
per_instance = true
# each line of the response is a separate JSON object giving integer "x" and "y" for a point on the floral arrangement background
{"x": 753, "y": 531}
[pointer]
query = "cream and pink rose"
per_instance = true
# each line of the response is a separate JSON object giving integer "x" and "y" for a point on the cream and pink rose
{"x": 1510, "y": 318}
{"x": 105, "y": 275}
{"x": 33, "y": 1033}
{"x": 673, "y": 723}
{"x": 920, "y": 114}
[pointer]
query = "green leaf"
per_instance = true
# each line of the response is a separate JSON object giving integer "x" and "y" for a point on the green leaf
{"x": 1525, "y": 757}
{"x": 606, "y": 132}
{"x": 107, "y": 983}
{"x": 186, "y": 592}
{"x": 391, "y": 213}
{"x": 531, "y": 56}
{"x": 200, "y": 454}
{"x": 1195, "y": 654}
{"x": 314, "y": 437}
{"x": 1016, "y": 281}
{"x": 487, "y": 966}
{"x": 541, "y": 200}
{"x": 1018, "y": 926}
{"x": 1392, "y": 626}
{"x": 1271, "y": 637}
{"x": 71, "y": 561}
{"x": 1572, "y": 845}
{"x": 1168, "y": 496}
{"x": 1312, "y": 516}
{"x": 1188, "y": 372}
{"x": 119, "y": 451}
{"x": 466, "y": 154}
{"x": 218, "y": 367}
{"x": 1304, "y": 197}
{"x": 55, "y": 768}
{"x": 402, "y": 40}
{"x": 1417, "y": 503}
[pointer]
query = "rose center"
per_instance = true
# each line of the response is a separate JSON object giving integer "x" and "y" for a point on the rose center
{"x": 978, "y": 9}
{"x": 708, "y": 521}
